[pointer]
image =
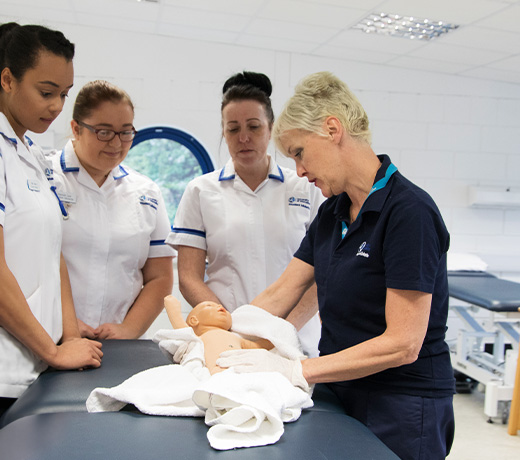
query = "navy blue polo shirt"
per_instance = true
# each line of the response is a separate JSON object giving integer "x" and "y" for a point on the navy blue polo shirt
{"x": 397, "y": 241}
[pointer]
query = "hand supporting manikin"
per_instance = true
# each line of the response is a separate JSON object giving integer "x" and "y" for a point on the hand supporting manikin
{"x": 212, "y": 323}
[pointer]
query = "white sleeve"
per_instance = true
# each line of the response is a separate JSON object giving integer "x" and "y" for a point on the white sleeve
{"x": 188, "y": 228}
{"x": 158, "y": 246}
{"x": 3, "y": 190}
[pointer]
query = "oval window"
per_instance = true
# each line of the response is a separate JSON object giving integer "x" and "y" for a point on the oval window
{"x": 171, "y": 158}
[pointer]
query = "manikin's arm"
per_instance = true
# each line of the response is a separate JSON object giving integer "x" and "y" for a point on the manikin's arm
{"x": 173, "y": 309}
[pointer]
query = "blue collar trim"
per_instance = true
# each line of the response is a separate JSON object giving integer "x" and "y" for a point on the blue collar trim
{"x": 222, "y": 177}
{"x": 123, "y": 172}
{"x": 11, "y": 139}
{"x": 278, "y": 176}
{"x": 63, "y": 164}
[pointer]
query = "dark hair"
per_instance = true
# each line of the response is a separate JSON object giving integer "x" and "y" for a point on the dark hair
{"x": 20, "y": 46}
{"x": 249, "y": 85}
{"x": 93, "y": 94}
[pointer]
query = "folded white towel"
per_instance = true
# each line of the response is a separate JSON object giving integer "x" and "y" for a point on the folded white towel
{"x": 246, "y": 410}
{"x": 242, "y": 409}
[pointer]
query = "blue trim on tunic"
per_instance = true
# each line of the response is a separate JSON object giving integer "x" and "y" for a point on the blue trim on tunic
{"x": 189, "y": 231}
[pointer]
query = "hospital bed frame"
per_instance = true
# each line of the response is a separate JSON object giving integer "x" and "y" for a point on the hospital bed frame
{"x": 481, "y": 349}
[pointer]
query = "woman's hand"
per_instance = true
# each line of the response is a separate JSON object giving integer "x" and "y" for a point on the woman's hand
{"x": 86, "y": 331}
{"x": 109, "y": 331}
{"x": 76, "y": 354}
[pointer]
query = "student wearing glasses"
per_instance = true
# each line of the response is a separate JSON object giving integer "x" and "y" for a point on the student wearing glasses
{"x": 115, "y": 220}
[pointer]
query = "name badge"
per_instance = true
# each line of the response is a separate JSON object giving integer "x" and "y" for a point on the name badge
{"x": 33, "y": 185}
{"x": 67, "y": 197}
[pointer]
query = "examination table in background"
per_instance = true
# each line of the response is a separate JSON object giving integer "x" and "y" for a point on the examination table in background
{"x": 50, "y": 421}
{"x": 487, "y": 352}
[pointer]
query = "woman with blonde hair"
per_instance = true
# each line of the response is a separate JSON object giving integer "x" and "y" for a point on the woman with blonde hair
{"x": 377, "y": 251}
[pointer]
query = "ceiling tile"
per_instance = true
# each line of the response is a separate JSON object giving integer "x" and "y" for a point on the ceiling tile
{"x": 196, "y": 33}
{"x": 512, "y": 64}
{"x": 311, "y": 13}
{"x": 290, "y": 30}
{"x": 493, "y": 74}
{"x": 248, "y": 7}
{"x": 353, "y": 54}
{"x": 484, "y": 38}
{"x": 111, "y": 22}
{"x": 508, "y": 19}
{"x": 411, "y": 62}
{"x": 382, "y": 43}
{"x": 458, "y": 54}
{"x": 455, "y": 11}
{"x": 188, "y": 17}
{"x": 256, "y": 41}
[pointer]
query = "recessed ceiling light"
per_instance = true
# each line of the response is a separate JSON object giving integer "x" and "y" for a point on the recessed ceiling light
{"x": 404, "y": 26}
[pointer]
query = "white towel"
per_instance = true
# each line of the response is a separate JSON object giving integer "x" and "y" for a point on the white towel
{"x": 242, "y": 409}
{"x": 245, "y": 410}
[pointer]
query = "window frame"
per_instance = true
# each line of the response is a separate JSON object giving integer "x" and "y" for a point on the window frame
{"x": 181, "y": 137}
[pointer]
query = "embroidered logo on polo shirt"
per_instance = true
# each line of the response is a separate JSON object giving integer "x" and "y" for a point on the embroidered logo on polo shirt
{"x": 301, "y": 202}
{"x": 364, "y": 250}
{"x": 148, "y": 201}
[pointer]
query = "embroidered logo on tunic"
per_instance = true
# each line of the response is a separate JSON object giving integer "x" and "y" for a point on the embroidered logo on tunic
{"x": 146, "y": 200}
{"x": 364, "y": 250}
{"x": 301, "y": 202}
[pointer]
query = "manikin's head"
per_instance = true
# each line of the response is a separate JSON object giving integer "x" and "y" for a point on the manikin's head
{"x": 208, "y": 315}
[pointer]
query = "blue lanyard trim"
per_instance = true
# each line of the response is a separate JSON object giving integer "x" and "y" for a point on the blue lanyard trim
{"x": 64, "y": 212}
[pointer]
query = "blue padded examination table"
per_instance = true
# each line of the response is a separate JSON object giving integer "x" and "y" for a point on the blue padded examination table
{"x": 485, "y": 290}
{"x": 481, "y": 349}
{"x": 50, "y": 421}
{"x": 127, "y": 436}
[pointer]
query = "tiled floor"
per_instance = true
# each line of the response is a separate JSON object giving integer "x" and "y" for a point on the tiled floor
{"x": 475, "y": 439}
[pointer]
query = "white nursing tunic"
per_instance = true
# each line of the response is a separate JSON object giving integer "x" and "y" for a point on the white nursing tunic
{"x": 249, "y": 237}
{"x": 108, "y": 236}
{"x": 31, "y": 219}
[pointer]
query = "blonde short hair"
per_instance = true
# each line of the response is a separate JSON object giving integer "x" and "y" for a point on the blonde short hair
{"x": 317, "y": 97}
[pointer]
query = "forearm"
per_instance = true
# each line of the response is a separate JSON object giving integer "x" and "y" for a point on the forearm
{"x": 70, "y": 322}
{"x": 17, "y": 318}
{"x": 306, "y": 308}
{"x": 367, "y": 358}
{"x": 191, "y": 263}
{"x": 148, "y": 304}
{"x": 196, "y": 291}
{"x": 406, "y": 314}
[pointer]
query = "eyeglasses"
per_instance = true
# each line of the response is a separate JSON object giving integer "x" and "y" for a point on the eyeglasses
{"x": 106, "y": 135}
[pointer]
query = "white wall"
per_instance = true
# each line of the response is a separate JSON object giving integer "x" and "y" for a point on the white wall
{"x": 443, "y": 132}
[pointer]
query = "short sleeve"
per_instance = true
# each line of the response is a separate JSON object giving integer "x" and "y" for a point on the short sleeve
{"x": 415, "y": 242}
{"x": 3, "y": 190}
{"x": 188, "y": 227}
{"x": 158, "y": 246}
